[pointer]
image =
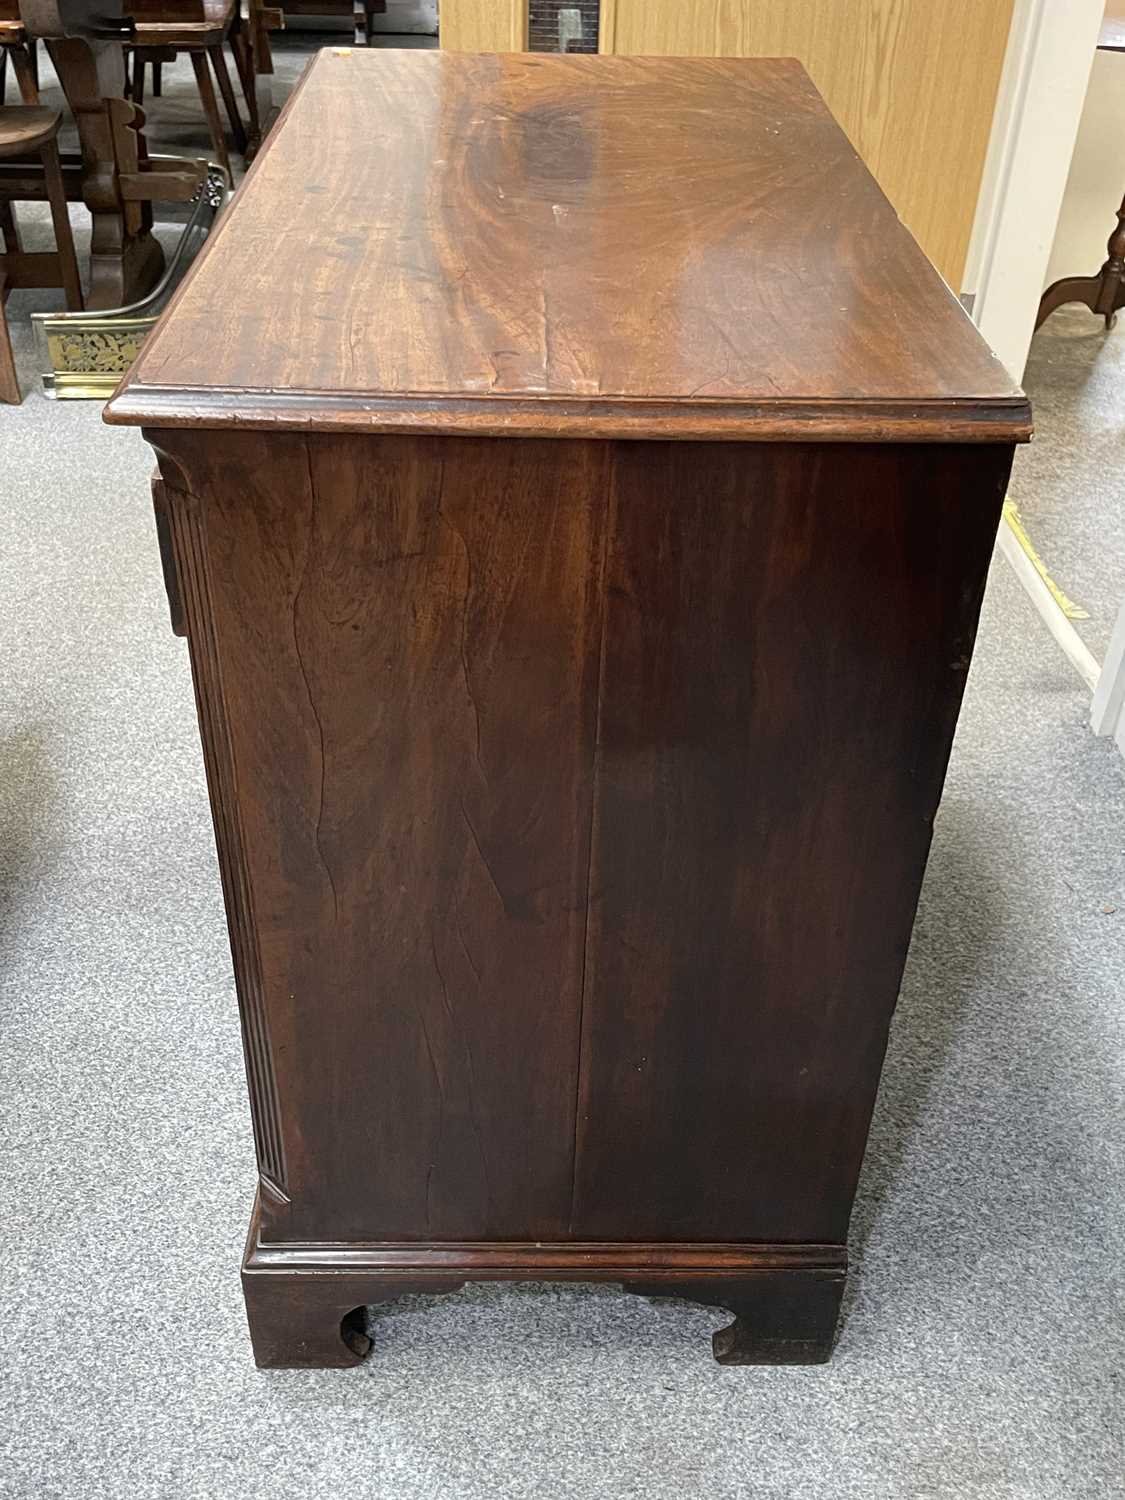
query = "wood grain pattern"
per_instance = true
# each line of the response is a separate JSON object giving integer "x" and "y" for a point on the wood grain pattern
{"x": 192, "y": 573}
{"x": 483, "y": 25}
{"x": 912, "y": 83}
{"x": 572, "y": 795}
{"x": 785, "y": 648}
{"x": 411, "y": 724}
{"x": 572, "y": 802}
{"x": 564, "y": 239}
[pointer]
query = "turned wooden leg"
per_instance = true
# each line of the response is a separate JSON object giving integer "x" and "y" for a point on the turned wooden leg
{"x": 1103, "y": 294}
{"x": 219, "y": 63}
{"x": 302, "y": 1322}
{"x": 211, "y": 109}
{"x": 780, "y": 1318}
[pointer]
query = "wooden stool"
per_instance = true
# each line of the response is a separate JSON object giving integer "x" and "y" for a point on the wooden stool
{"x": 200, "y": 28}
{"x": 26, "y": 130}
{"x": 25, "y": 64}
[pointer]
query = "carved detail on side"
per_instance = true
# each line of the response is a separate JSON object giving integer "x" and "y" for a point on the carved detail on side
{"x": 187, "y": 526}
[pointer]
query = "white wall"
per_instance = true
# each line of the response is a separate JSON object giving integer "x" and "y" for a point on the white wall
{"x": 1097, "y": 174}
{"x": 1042, "y": 90}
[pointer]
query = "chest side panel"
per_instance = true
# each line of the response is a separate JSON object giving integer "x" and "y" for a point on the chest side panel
{"x": 404, "y": 666}
{"x": 787, "y": 635}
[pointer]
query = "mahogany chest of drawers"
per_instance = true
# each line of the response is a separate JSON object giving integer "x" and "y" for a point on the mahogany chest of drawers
{"x": 577, "y": 491}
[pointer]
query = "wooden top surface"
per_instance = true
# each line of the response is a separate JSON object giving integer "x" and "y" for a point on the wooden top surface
{"x": 26, "y": 126}
{"x": 593, "y": 246}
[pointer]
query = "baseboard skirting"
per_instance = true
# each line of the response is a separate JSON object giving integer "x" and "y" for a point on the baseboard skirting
{"x": 507, "y": 1261}
{"x": 574, "y": 1260}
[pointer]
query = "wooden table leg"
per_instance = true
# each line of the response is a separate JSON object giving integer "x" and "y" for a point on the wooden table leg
{"x": 125, "y": 260}
{"x": 1103, "y": 294}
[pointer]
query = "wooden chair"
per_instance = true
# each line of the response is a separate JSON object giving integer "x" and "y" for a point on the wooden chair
{"x": 16, "y": 44}
{"x": 27, "y": 130}
{"x": 362, "y": 13}
{"x": 200, "y": 28}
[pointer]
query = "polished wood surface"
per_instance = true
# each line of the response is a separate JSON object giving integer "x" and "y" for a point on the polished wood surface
{"x": 483, "y": 738}
{"x": 758, "y": 849}
{"x": 534, "y": 243}
{"x": 913, "y": 84}
{"x": 572, "y": 781}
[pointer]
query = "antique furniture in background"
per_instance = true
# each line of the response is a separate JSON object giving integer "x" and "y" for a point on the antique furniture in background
{"x": 30, "y": 130}
{"x": 362, "y": 13}
{"x": 1104, "y": 293}
{"x": 83, "y": 355}
{"x": 200, "y": 28}
{"x": 14, "y": 43}
{"x": 579, "y": 521}
{"x": 113, "y": 173}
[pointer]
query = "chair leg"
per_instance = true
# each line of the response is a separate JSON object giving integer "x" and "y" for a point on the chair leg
{"x": 157, "y": 78}
{"x": 3, "y": 73}
{"x": 64, "y": 240}
{"x": 9, "y": 228}
{"x": 138, "y": 91}
{"x": 9, "y": 380}
{"x": 211, "y": 109}
{"x": 25, "y": 74}
{"x": 219, "y": 63}
{"x": 243, "y": 54}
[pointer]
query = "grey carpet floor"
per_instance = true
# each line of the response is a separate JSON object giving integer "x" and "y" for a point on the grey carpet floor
{"x": 983, "y": 1349}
